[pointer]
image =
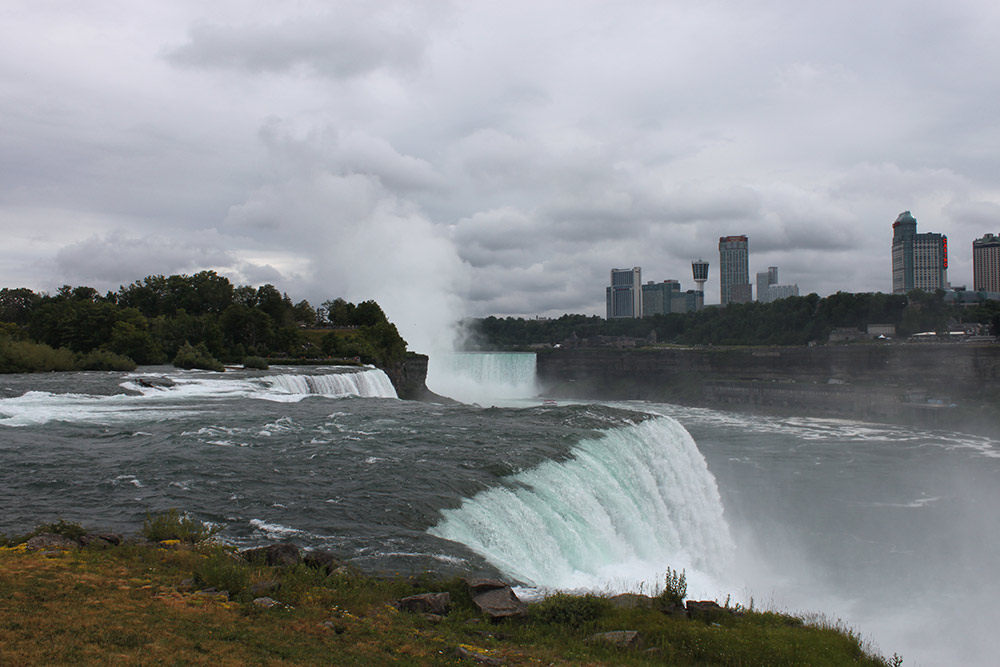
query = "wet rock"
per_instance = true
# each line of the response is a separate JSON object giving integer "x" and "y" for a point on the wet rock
{"x": 50, "y": 542}
{"x": 495, "y": 598}
{"x": 426, "y": 603}
{"x": 284, "y": 553}
{"x": 622, "y": 638}
{"x": 154, "y": 382}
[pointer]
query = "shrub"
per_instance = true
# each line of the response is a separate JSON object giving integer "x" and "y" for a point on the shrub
{"x": 26, "y": 357}
{"x": 256, "y": 363}
{"x": 675, "y": 588}
{"x": 196, "y": 356}
{"x": 572, "y": 610}
{"x": 172, "y": 525}
{"x": 102, "y": 360}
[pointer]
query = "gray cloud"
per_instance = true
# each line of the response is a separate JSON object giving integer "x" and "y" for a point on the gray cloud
{"x": 490, "y": 158}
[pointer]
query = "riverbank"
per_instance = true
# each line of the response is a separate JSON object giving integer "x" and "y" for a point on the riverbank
{"x": 954, "y": 386}
{"x": 194, "y": 601}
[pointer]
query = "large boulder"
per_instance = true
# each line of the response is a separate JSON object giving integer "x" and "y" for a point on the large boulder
{"x": 495, "y": 599}
{"x": 284, "y": 553}
{"x": 100, "y": 540}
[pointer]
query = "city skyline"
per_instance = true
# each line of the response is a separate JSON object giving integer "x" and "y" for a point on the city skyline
{"x": 455, "y": 160}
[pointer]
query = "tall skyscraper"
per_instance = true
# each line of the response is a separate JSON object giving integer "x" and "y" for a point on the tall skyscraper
{"x": 624, "y": 295}
{"x": 986, "y": 264}
{"x": 734, "y": 270}
{"x": 919, "y": 261}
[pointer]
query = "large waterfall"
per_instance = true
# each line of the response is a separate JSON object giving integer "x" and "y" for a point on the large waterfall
{"x": 483, "y": 377}
{"x": 628, "y": 504}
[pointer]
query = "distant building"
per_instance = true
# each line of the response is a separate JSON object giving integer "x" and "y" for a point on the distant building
{"x": 919, "y": 261}
{"x": 734, "y": 270}
{"x": 775, "y": 292}
{"x": 986, "y": 264}
{"x": 657, "y": 298}
{"x": 699, "y": 270}
{"x": 666, "y": 297}
{"x": 765, "y": 279}
{"x": 624, "y": 295}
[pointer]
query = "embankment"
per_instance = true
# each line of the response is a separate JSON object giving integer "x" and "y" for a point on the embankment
{"x": 946, "y": 385}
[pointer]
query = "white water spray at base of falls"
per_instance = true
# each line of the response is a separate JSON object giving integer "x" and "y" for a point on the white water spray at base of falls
{"x": 626, "y": 506}
{"x": 483, "y": 377}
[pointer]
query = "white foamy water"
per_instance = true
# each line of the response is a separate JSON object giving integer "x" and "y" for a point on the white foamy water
{"x": 486, "y": 378}
{"x": 156, "y": 395}
{"x": 625, "y": 506}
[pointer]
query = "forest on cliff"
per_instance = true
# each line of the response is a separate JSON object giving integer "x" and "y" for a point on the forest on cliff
{"x": 791, "y": 321}
{"x": 151, "y": 320}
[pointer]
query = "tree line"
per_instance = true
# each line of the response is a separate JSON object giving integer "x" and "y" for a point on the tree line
{"x": 151, "y": 320}
{"x": 790, "y": 321}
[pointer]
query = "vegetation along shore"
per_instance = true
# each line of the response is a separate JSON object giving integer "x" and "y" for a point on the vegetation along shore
{"x": 173, "y": 595}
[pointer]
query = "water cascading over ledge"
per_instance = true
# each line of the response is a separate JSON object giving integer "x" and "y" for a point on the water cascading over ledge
{"x": 482, "y": 377}
{"x": 628, "y": 504}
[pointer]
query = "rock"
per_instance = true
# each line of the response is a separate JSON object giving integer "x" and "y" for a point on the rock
{"x": 495, "y": 598}
{"x": 622, "y": 638}
{"x": 426, "y": 603}
{"x": 463, "y": 652}
{"x": 263, "y": 587}
{"x": 51, "y": 541}
{"x": 186, "y": 585}
{"x": 265, "y": 602}
{"x": 707, "y": 610}
{"x": 336, "y": 627}
{"x": 154, "y": 382}
{"x": 321, "y": 560}
{"x": 284, "y": 553}
{"x": 101, "y": 540}
{"x": 632, "y": 601}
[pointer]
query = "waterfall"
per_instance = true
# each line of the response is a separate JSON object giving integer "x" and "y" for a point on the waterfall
{"x": 625, "y": 506}
{"x": 483, "y": 377}
{"x": 368, "y": 383}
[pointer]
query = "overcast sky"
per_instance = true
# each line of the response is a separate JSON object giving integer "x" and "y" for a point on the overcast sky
{"x": 479, "y": 158}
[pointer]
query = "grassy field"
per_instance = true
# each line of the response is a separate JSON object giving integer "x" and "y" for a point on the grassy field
{"x": 146, "y": 603}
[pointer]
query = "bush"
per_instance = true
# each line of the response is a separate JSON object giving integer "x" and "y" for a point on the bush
{"x": 172, "y": 525}
{"x": 675, "y": 588}
{"x": 18, "y": 356}
{"x": 572, "y": 610}
{"x": 102, "y": 360}
{"x": 255, "y": 363}
{"x": 196, "y": 356}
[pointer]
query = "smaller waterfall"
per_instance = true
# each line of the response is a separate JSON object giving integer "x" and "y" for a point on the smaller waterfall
{"x": 369, "y": 383}
{"x": 483, "y": 377}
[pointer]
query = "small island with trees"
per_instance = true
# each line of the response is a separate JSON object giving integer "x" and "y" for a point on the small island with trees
{"x": 197, "y": 321}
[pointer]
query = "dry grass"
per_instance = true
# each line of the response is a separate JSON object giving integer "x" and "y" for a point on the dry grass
{"x": 128, "y": 606}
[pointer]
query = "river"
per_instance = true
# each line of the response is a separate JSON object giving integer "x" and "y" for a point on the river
{"x": 889, "y": 530}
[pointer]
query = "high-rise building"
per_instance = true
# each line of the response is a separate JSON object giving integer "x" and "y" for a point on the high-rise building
{"x": 919, "y": 261}
{"x": 624, "y": 295}
{"x": 657, "y": 298}
{"x": 765, "y": 278}
{"x": 775, "y": 292}
{"x": 986, "y": 264}
{"x": 734, "y": 270}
